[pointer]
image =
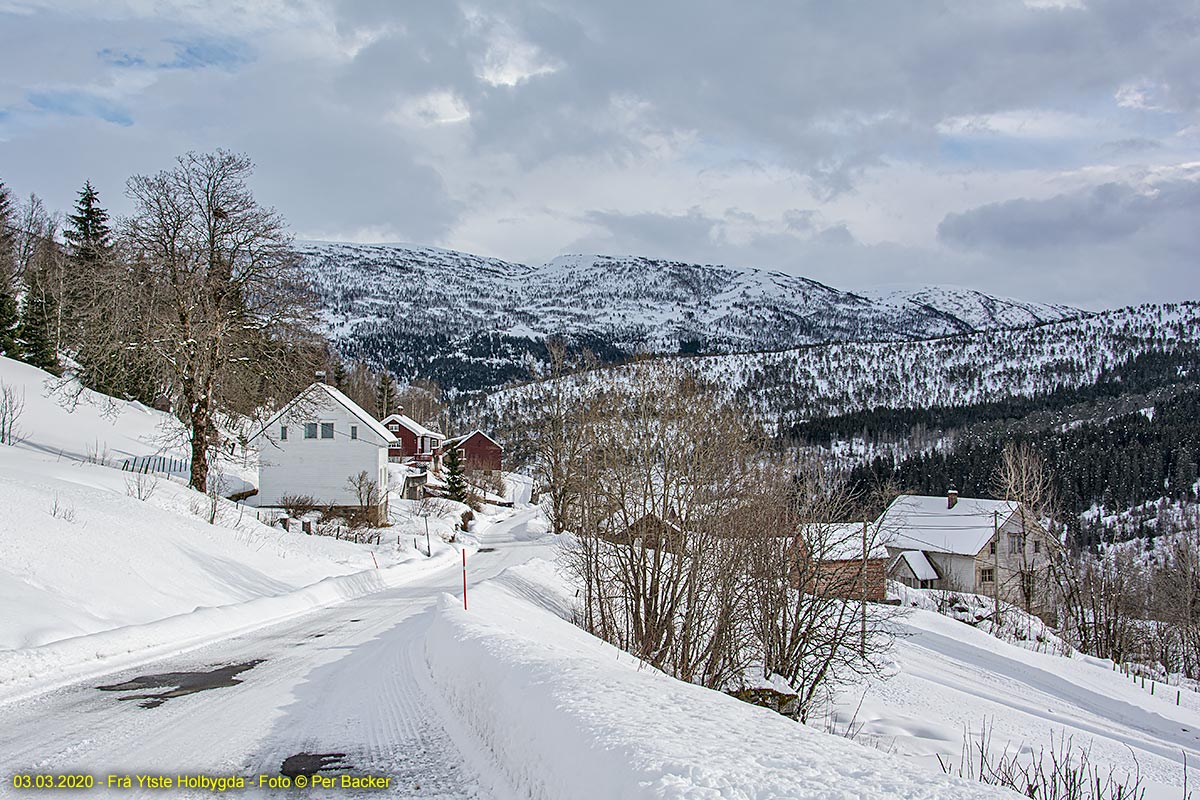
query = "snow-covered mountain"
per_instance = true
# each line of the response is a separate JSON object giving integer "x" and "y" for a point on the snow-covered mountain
{"x": 980, "y": 311}
{"x": 788, "y": 386}
{"x": 410, "y": 308}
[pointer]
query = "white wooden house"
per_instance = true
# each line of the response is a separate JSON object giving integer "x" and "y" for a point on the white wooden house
{"x": 970, "y": 545}
{"x": 316, "y": 446}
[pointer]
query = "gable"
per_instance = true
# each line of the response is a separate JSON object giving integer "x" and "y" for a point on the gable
{"x": 322, "y": 397}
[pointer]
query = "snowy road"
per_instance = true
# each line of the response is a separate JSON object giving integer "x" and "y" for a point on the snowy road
{"x": 350, "y": 681}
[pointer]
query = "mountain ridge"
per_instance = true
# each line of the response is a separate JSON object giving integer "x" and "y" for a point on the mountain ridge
{"x": 493, "y": 316}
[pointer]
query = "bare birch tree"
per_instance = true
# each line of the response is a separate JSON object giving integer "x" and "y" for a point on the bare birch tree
{"x": 220, "y": 309}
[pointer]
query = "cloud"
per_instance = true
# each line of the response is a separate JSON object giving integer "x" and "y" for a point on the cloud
{"x": 921, "y": 142}
{"x": 1094, "y": 217}
{"x": 79, "y": 103}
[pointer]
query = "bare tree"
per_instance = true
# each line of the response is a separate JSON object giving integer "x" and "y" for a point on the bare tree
{"x": 222, "y": 308}
{"x": 806, "y": 578}
{"x": 1021, "y": 478}
{"x": 12, "y": 405}
{"x": 366, "y": 490}
{"x": 558, "y": 441}
{"x": 422, "y": 400}
{"x": 655, "y": 492}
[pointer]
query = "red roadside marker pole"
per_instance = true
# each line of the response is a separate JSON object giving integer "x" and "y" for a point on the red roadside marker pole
{"x": 464, "y": 552}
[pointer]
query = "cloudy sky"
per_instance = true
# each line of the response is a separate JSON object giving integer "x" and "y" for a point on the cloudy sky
{"x": 1045, "y": 150}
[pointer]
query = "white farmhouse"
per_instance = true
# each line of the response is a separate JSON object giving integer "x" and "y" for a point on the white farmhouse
{"x": 969, "y": 545}
{"x": 318, "y": 445}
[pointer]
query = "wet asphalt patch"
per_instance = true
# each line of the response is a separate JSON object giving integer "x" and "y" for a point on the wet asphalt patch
{"x": 182, "y": 683}
{"x": 311, "y": 763}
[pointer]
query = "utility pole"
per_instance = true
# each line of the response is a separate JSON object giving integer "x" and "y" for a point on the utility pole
{"x": 996, "y": 570}
{"x": 862, "y": 579}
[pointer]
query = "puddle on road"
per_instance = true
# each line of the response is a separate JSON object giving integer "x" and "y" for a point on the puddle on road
{"x": 311, "y": 763}
{"x": 182, "y": 683}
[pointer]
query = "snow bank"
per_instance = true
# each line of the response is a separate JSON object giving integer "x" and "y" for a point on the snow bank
{"x": 566, "y": 715}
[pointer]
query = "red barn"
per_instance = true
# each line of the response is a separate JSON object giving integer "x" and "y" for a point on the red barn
{"x": 414, "y": 441}
{"x": 479, "y": 450}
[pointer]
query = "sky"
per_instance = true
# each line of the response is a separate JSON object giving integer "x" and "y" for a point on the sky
{"x": 1042, "y": 149}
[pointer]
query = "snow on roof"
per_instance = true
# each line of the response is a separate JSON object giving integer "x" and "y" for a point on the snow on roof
{"x": 338, "y": 397}
{"x": 918, "y": 564}
{"x": 463, "y": 437}
{"x": 414, "y": 426}
{"x": 843, "y": 541}
{"x": 916, "y": 522}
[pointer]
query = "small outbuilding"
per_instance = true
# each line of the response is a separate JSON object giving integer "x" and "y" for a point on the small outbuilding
{"x": 324, "y": 446}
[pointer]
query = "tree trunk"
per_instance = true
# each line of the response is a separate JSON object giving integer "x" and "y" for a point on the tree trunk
{"x": 200, "y": 424}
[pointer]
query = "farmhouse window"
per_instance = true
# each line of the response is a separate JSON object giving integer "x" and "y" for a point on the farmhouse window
{"x": 1037, "y": 546}
{"x": 283, "y": 433}
{"x": 326, "y": 430}
{"x": 310, "y": 430}
{"x": 992, "y": 549}
{"x": 987, "y": 575}
{"x": 353, "y": 431}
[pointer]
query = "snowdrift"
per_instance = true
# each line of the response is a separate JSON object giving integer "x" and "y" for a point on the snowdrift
{"x": 566, "y": 715}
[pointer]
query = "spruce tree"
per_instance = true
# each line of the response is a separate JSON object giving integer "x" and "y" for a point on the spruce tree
{"x": 35, "y": 337}
{"x": 88, "y": 232}
{"x": 9, "y": 314}
{"x": 456, "y": 483}
{"x": 386, "y": 395}
{"x": 9, "y": 320}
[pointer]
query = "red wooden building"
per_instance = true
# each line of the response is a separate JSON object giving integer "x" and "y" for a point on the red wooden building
{"x": 414, "y": 442}
{"x": 479, "y": 451}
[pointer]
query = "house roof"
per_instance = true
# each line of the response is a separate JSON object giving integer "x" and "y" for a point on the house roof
{"x": 920, "y": 566}
{"x": 412, "y": 425}
{"x": 916, "y": 522}
{"x": 330, "y": 392}
{"x": 843, "y": 541}
{"x": 463, "y": 437}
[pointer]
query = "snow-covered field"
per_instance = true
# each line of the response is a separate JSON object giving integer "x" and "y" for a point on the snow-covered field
{"x": 952, "y": 682}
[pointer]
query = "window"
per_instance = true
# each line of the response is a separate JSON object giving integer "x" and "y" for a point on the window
{"x": 1014, "y": 543}
{"x": 1037, "y": 546}
{"x": 987, "y": 575}
{"x": 992, "y": 549}
{"x": 393, "y": 427}
{"x": 353, "y": 431}
{"x": 310, "y": 430}
{"x": 326, "y": 430}
{"x": 283, "y": 433}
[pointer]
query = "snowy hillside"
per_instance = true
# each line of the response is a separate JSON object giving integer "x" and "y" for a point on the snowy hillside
{"x": 101, "y": 563}
{"x": 410, "y": 307}
{"x": 978, "y": 310}
{"x": 792, "y": 385}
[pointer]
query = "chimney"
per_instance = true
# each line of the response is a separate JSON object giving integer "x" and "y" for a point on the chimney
{"x": 320, "y": 376}
{"x": 952, "y": 497}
